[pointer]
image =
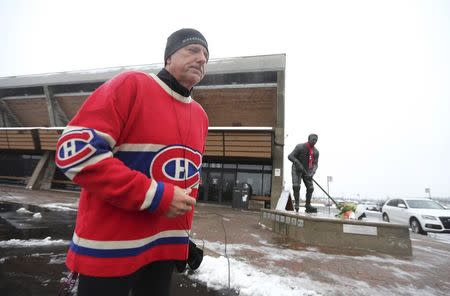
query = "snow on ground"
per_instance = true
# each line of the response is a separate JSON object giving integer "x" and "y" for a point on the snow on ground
{"x": 4, "y": 195}
{"x": 442, "y": 237}
{"x": 24, "y": 211}
{"x": 274, "y": 253}
{"x": 253, "y": 281}
{"x": 18, "y": 243}
{"x": 432, "y": 250}
{"x": 57, "y": 258}
{"x": 250, "y": 280}
{"x": 354, "y": 287}
{"x": 4, "y": 259}
{"x": 61, "y": 206}
{"x": 54, "y": 258}
{"x": 273, "y": 279}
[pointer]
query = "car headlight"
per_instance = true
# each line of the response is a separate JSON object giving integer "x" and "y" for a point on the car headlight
{"x": 428, "y": 217}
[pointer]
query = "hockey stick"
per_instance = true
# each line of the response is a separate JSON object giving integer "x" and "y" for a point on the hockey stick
{"x": 337, "y": 205}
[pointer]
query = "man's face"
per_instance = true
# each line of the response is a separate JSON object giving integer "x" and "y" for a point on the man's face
{"x": 187, "y": 64}
{"x": 312, "y": 141}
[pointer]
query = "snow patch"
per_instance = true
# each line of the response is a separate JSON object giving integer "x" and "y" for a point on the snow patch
{"x": 17, "y": 243}
{"x": 24, "y": 211}
{"x": 442, "y": 237}
{"x": 274, "y": 253}
{"x": 249, "y": 280}
{"x": 61, "y": 206}
{"x": 57, "y": 259}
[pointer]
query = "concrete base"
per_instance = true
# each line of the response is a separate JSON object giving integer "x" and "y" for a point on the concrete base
{"x": 312, "y": 229}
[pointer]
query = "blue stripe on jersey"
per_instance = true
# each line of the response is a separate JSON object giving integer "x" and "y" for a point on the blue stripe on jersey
{"x": 117, "y": 253}
{"x": 157, "y": 198}
{"x": 139, "y": 161}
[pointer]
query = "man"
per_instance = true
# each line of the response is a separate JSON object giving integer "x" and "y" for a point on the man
{"x": 135, "y": 147}
{"x": 305, "y": 158}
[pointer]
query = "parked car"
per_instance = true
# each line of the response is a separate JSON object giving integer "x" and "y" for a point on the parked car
{"x": 371, "y": 206}
{"x": 421, "y": 214}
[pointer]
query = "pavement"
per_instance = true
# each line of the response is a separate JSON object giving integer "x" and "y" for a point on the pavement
{"x": 235, "y": 233}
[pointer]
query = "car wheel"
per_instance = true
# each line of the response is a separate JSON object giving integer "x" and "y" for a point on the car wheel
{"x": 385, "y": 217}
{"x": 415, "y": 226}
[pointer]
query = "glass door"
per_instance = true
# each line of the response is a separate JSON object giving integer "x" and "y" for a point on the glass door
{"x": 229, "y": 179}
{"x": 214, "y": 186}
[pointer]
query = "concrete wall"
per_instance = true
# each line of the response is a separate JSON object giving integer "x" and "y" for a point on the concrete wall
{"x": 382, "y": 237}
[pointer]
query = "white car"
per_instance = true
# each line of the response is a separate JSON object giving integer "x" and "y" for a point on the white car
{"x": 423, "y": 215}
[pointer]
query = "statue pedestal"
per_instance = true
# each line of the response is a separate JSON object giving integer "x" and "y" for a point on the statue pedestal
{"x": 313, "y": 229}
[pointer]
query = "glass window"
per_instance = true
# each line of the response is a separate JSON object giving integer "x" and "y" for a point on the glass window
{"x": 218, "y": 180}
{"x": 201, "y": 187}
{"x": 229, "y": 165}
{"x": 401, "y": 202}
{"x": 19, "y": 165}
{"x": 253, "y": 179}
{"x": 393, "y": 203}
{"x": 267, "y": 184}
{"x": 268, "y": 168}
{"x": 254, "y": 167}
{"x": 424, "y": 204}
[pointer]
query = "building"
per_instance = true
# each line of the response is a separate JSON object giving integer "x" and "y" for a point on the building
{"x": 243, "y": 97}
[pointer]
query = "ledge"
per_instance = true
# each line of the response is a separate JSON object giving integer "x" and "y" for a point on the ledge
{"x": 388, "y": 238}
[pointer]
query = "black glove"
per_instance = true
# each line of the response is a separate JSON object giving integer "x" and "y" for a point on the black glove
{"x": 299, "y": 168}
{"x": 195, "y": 258}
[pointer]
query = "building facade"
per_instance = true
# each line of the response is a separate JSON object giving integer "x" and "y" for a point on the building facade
{"x": 243, "y": 97}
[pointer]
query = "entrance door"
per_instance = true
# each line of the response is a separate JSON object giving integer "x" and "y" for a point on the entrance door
{"x": 214, "y": 187}
{"x": 229, "y": 179}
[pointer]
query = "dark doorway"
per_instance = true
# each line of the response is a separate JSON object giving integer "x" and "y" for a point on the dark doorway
{"x": 214, "y": 186}
{"x": 229, "y": 180}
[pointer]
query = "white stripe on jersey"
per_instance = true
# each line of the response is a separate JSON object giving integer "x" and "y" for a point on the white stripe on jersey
{"x": 149, "y": 195}
{"x": 71, "y": 173}
{"x": 126, "y": 244}
{"x": 139, "y": 147}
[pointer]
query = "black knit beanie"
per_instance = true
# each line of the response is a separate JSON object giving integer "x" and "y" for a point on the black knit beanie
{"x": 180, "y": 39}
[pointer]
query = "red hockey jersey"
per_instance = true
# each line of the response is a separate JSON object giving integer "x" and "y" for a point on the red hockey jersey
{"x": 130, "y": 143}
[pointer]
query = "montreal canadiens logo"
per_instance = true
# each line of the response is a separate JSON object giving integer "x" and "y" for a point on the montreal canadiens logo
{"x": 74, "y": 147}
{"x": 178, "y": 165}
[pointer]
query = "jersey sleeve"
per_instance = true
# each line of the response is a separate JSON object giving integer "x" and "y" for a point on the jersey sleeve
{"x": 84, "y": 151}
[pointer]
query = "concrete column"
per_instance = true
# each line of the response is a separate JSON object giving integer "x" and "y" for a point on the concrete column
{"x": 49, "y": 100}
{"x": 49, "y": 173}
{"x": 2, "y": 119}
{"x": 38, "y": 173}
{"x": 278, "y": 144}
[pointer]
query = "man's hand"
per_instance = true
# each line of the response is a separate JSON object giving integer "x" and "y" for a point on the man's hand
{"x": 181, "y": 202}
{"x": 308, "y": 174}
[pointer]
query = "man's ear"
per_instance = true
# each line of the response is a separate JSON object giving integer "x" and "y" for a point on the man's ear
{"x": 169, "y": 60}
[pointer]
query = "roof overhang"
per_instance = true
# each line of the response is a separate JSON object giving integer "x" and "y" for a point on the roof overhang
{"x": 249, "y": 64}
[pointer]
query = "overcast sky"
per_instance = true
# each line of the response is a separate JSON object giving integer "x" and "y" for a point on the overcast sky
{"x": 372, "y": 78}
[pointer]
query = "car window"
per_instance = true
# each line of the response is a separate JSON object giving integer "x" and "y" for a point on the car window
{"x": 424, "y": 204}
{"x": 401, "y": 202}
{"x": 392, "y": 203}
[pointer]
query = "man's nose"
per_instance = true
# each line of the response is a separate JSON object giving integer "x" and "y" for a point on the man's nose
{"x": 202, "y": 58}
